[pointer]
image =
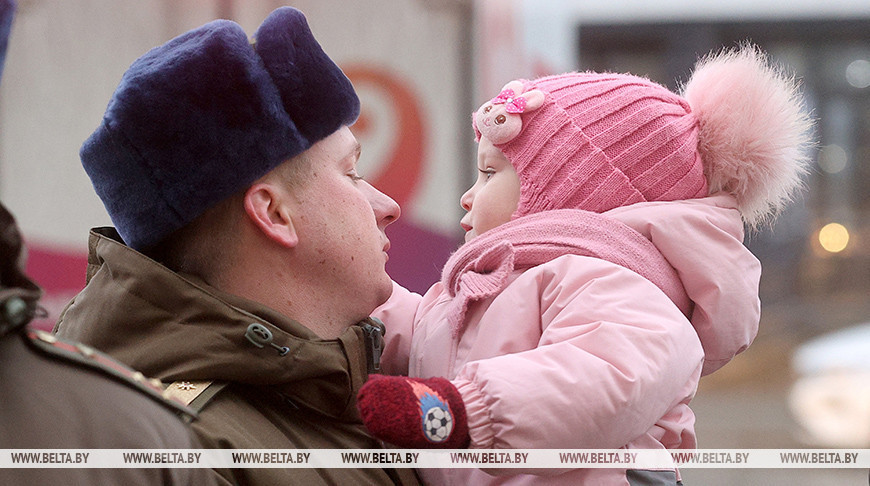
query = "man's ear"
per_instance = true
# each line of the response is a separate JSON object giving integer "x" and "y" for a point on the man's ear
{"x": 267, "y": 209}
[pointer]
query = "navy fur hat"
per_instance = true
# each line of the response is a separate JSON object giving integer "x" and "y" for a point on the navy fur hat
{"x": 7, "y": 11}
{"x": 203, "y": 116}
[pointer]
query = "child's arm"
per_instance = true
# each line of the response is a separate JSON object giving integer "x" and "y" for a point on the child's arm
{"x": 398, "y": 315}
{"x": 614, "y": 356}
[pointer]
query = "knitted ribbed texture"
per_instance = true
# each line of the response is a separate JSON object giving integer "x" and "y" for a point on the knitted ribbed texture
{"x": 602, "y": 141}
{"x": 480, "y": 268}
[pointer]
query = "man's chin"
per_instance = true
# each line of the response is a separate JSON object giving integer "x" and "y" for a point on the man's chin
{"x": 385, "y": 290}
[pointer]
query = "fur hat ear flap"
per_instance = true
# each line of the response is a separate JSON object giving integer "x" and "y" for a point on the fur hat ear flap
{"x": 754, "y": 135}
{"x": 316, "y": 94}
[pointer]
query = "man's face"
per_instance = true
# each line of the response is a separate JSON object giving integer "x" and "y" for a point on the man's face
{"x": 340, "y": 222}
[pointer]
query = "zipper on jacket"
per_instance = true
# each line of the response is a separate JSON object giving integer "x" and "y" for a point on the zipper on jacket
{"x": 374, "y": 331}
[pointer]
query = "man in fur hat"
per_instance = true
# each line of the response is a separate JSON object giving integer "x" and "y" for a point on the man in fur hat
{"x": 64, "y": 395}
{"x": 247, "y": 252}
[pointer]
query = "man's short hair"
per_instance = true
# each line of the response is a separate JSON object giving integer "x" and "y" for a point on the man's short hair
{"x": 208, "y": 245}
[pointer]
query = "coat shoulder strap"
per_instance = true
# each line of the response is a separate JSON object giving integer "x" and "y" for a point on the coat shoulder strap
{"x": 195, "y": 394}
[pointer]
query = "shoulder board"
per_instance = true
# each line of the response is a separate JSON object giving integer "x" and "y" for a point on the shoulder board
{"x": 194, "y": 394}
{"x": 88, "y": 357}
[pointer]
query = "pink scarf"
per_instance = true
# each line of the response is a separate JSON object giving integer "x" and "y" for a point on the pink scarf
{"x": 480, "y": 268}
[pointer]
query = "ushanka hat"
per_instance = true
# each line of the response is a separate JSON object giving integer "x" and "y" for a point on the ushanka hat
{"x": 598, "y": 141}
{"x": 203, "y": 116}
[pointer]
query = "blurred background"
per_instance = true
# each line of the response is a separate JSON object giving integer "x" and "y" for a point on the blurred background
{"x": 421, "y": 67}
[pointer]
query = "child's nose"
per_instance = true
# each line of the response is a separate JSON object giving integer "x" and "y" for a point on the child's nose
{"x": 465, "y": 200}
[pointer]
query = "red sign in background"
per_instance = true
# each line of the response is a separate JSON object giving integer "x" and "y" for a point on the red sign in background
{"x": 416, "y": 253}
{"x": 60, "y": 273}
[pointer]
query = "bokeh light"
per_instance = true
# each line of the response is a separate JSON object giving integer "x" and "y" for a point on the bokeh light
{"x": 858, "y": 73}
{"x": 834, "y": 237}
{"x": 833, "y": 159}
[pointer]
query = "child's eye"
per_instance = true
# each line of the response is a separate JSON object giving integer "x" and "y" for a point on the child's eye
{"x": 486, "y": 173}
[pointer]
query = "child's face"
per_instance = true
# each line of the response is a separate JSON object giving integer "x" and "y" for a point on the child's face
{"x": 494, "y": 197}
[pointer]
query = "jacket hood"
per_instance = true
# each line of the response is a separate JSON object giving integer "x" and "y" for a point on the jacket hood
{"x": 176, "y": 327}
{"x": 703, "y": 240}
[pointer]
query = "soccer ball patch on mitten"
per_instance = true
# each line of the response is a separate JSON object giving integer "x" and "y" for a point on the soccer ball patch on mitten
{"x": 437, "y": 419}
{"x": 414, "y": 413}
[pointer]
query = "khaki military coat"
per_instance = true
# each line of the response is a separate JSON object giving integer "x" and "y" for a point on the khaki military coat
{"x": 63, "y": 396}
{"x": 296, "y": 391}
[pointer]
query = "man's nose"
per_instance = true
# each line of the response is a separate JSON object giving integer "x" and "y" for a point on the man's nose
{"x": 386, "y": 209}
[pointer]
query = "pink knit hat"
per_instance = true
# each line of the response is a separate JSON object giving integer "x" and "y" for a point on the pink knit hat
{"x": 597, "y": 141}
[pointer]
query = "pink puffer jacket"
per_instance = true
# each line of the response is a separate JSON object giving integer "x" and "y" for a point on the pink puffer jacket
{"x": 579, "y": 353}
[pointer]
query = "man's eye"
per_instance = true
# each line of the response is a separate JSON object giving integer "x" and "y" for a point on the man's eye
{"x": 354, "y": 176}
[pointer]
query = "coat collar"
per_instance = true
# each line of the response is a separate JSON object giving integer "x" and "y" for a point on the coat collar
{"x": 176, "y": 327}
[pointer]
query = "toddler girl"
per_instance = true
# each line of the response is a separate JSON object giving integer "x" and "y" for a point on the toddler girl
{"x": 603, "y": 271}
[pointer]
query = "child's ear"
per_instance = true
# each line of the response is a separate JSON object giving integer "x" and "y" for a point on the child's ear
{"x": 266, "y": 207}
{"x": 534, "y": 99}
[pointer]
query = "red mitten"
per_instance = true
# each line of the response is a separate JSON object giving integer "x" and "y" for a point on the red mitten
{"x": 414, "y": 413}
